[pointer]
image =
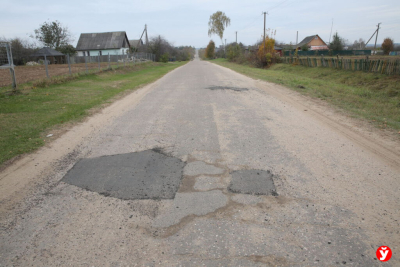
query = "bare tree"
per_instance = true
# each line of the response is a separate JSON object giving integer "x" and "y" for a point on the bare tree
{"x": 21, "y": 49}
{"x": 159, "y": 46}
{"x": 358, "y": 44}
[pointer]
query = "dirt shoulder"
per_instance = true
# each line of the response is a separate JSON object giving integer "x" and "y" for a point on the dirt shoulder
{"x": 33, "y": 174}
{"x": 385, "y": 143}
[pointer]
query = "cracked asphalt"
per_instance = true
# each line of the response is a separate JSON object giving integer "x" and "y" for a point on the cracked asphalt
{"x": 335, "y": 200}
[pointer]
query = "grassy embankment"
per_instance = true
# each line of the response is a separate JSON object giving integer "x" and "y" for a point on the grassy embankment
{"x": 26, "y": 117}
{"x": 375, "y": 97}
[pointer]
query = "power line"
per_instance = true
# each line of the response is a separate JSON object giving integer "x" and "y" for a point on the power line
{"x": 273, "y": 7}
{"x": 248, "y": 25}
{"x": 281, "y": 3}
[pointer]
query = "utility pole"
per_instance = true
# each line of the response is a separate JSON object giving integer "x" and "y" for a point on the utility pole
{"x": 375, "y": 32}
{"x": 225, "y": 48}
{"x": 376, "y": 39}
{"x": 265, "y": 14}
{"x": 236, "y": 37}
{"x": 147, "y": 39}
{"x": 297, "y": 38}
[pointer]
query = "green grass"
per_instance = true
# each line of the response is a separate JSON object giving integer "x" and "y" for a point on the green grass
{"x": 25, "y": 117}
{"x": 375, "y": 97}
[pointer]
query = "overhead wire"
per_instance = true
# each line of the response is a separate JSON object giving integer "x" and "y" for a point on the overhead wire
{"x": 273, "y": 7}
{"x": 281, "y": 3}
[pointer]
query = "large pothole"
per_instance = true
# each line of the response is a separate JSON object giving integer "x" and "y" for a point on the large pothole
{"x": 233, "y": 88}
{"x": 254, "y": 182}
{"x": 140, "y": 175}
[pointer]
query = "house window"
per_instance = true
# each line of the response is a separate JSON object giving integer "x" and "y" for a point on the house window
{"x": 316, "y": 37}
{"x": 88, "y": 53}
{"x": 100, "y": 53}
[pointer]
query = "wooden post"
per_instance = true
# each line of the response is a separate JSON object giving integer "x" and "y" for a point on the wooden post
{"x": 123, "y": 58}
{"x": 69, "y": 65}
{"x": 45, "y": 64}
{"x": 12, "y": 69}
{"x": 86, "y": 64}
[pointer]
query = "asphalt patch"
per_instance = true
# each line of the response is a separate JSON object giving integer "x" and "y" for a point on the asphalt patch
{"x": 238, "y": 89}
{"x": 254, "y": 182}
{"x": 141, "y": 175}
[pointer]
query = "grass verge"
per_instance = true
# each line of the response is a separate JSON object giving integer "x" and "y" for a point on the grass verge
{"x": 375, "y": 97}
{"x": 25, "y": 117}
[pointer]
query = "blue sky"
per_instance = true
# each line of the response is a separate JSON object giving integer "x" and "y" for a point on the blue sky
{"x": 186, "y": 22}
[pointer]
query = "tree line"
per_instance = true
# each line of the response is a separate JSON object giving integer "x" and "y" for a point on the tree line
{"x": 55, "y": 35}
{"x": 263, "y": 53}
{"x": 165, "y": 51}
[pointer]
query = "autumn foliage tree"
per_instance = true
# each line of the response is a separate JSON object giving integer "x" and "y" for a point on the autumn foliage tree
{"x": 217, "y": 24}
{"x": 266, "y": 51}
{"x": 210, "y": 50}
{"x": 387, "y": 45}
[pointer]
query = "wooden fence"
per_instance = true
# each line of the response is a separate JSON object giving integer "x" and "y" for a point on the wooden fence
{"x": 384, "y": 66}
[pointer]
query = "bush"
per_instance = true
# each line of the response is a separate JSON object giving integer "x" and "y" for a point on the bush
{"x": 164, "y": 58}
{"x": 242, "y": 59}
{"x": 234, "y": 52}
{"x": 266, "y": 53}
{"x": 210, "y": 50}
{"x": 268, "y": 58}
{"x": 304, "y": 48}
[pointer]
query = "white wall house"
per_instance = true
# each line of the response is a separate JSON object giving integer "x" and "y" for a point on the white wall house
{"x": 103, "y": 43}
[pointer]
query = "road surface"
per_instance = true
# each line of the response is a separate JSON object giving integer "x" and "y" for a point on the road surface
{"x": 205, "y": 167}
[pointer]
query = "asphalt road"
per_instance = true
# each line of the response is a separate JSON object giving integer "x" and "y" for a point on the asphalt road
{"x": 242, "y": 173}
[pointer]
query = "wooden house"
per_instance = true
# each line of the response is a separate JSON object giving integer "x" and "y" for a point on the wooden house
{"x": 103, "y": 43}
{"x": 313, "y": 42}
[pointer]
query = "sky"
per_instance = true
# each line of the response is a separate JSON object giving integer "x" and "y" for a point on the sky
{"x": 186, "y": 22}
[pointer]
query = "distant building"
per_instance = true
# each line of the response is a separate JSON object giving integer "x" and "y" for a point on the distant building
{"x": 314, "y": 42}
{"x": 103, "y": 43}
{"x": 278, "y": 50}
{"x": 52, "y": 56}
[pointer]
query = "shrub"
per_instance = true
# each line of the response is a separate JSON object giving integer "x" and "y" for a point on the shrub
{"x": 234, "y": 52}
{"x": 210, "y": 50}
{"x": 304, "y": 48}
{"x": 265, "y": 53}
{"x": 242, "y": 58}
{"x": 268, "y": 58}
{"x": 164, "y": 58}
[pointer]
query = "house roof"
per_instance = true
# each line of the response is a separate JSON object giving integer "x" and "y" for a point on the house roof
{"x": 134, "y": 43}
{"x": 303, "y": 42}
{"x": 46, "y": 51}
{"x": 102, "y": 40}
{"x": 308, "y": 39}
